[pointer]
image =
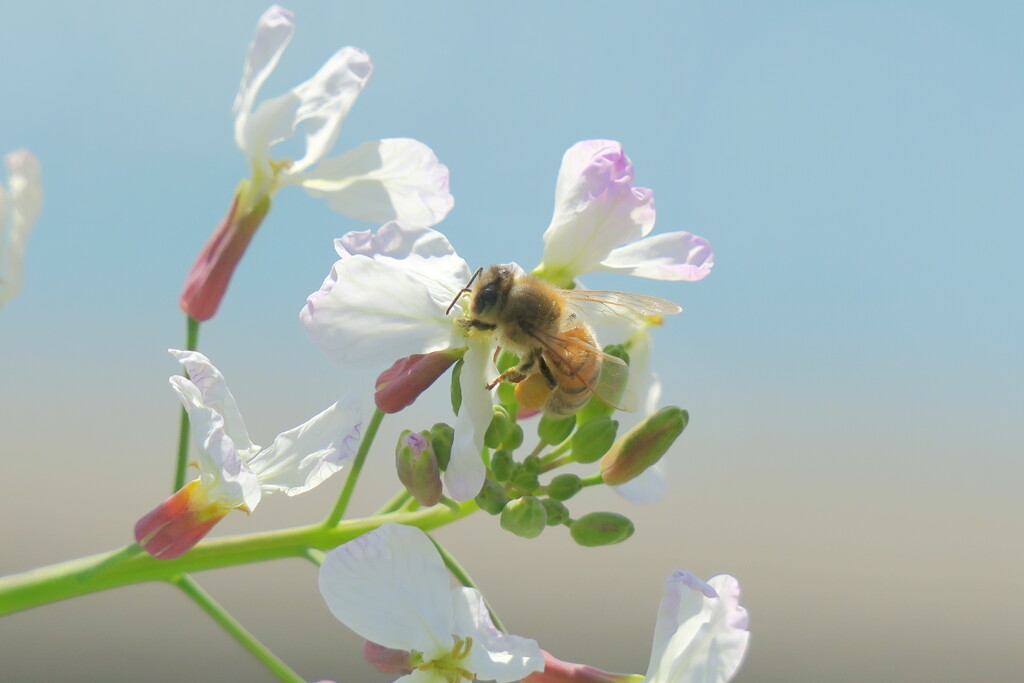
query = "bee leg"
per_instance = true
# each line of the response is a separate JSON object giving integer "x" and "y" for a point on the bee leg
{"x": 520, "y": 372}
{"x": 475, "y": 324}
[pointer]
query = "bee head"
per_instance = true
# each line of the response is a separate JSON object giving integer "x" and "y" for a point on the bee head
{"x": 491, "y": 289}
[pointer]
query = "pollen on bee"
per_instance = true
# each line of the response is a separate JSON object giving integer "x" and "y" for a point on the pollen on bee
{"x": 533, "y": 392}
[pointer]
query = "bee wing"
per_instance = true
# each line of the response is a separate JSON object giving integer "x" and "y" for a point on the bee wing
{"x": 622, "y": 304}
{"x": 610, "y": 386}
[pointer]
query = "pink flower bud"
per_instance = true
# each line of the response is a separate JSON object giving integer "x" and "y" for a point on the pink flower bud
{"x": 178, "y": 523}
{"x": 400, "y": 385}
{"x": 557, "y": 671}
{"x": 208, "y": 280}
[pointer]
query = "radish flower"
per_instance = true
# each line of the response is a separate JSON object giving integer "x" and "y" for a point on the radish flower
{"x": 19, "y": 210}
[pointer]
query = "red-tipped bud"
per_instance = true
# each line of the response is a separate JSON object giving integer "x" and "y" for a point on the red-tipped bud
{"x": 386, "y": 659}
{"x": 178, "y": 523}
{"x": 417, "y": 467}
{"x": 208, "y": 280}
{"x": 400, "y": 385}
{"x": 557, "y": 671}
{"x": 643, "y": 445}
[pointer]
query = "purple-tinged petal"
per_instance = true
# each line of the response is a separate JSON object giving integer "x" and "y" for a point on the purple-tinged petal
{"x": 495, "y": 655}
{"x": 466, "y": 471}
{"x": 401, "y": 384}
{"x": 671, "y": 256}
{"x": 213, "y": 392}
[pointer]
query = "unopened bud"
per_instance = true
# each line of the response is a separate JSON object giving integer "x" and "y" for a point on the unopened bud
{"x": 492, "y": 498}
{"x": 557, "y": 671}
{"x": 514, "y": 438}
{"x": 524, "y": 479}
{"x": 643, "y": 445}
{"x": 502, "y": 465}
{"x": 524, "y": 517}
{"x": 601, "y": 528}
{"x": 441, "y": 438}
{"x": 417, "y": 467}
{"x": 400, "y": 385}
{"x": 531, "y": 464}
{"x": 593, "y": 439}
{"x": 498, "y": 429}
{"x": 564, "y": 486}
{"x": 556, "y": 511}
{"x": 555, "y": 430}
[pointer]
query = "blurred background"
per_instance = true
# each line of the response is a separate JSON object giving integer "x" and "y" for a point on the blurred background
{"x": 852, "y": 366}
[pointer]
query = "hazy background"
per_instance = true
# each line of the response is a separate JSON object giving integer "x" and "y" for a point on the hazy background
{"x": 852, "y": 366}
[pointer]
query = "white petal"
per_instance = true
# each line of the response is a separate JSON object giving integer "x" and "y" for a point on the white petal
{"x": 466, "y": 471}
{"x": 24, "y": 203}
{"x": 272, "y": 122}
{"x": 495, "y": 656}
{"x": 672, "y": 256}
{"x": 701, "y": 634}
{"x": 382, "y": 180}
{"x": 213, "y": 392}
{"x": 422, "y": 252}
{"x": 302, "y": 458}
{"x": 325, "y": 100}
{"x": 597, "y": 208}
{"x": 647, "y": 487}
{"x": 390, "y": 586}
{"x": 273, "y": 32}
{"x": 376, "y": 310}
{"x": 222, "y": 472}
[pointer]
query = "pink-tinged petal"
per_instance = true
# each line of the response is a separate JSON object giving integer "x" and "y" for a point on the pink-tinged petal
{"x": 382, "y": 180}
{"x": 24, "y": 202}
{"x": 400, "y": 385}
{"x": 302, "y": 458}
{"x": 647, "y": 487}
{"x": 390, "y": 586}
{"x": 672, "y": 256}
{"x": 178, "y": 523}
{"x": 215, "y": 394}
{"x": 325, "y": 100}
{"x": 371, "y": 310}
{"x": 466, "y": 471}
{"x": 597, "y": 208}
{"x": 386, "y": 659}
{"x": 207, "y": 281}
{"x": 273, "y": 32}
{"x": 702, "y": 632}
{"x": 495, "y": 655}
{"x": 557, "y": 671}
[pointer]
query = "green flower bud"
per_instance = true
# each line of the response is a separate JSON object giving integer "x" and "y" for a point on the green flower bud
{"x": 417, "y": 467}
{"x": 557, "y": 513}
{"x": 457, "y": 386}
{"x": 555, "y": 430}
{"x": 492, "y": 498}
{"x": 498, "y": 429}
{"x": 601, "y": 528}
{"x": 643, "y": 445}
{"x": 502, "y": 465}
{"x": 514, "y": 438}
{"x": 524, "y": 517}
{"x": 524, "y": 480}
{"x": 506, "y": 360}
{"x": 564, "y": 486}
{"x": 531, "y": 464}
{"x": 441, "y": 437}
{"x": 593, "y": 439}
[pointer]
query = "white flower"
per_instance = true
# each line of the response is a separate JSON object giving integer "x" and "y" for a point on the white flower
{"x": 390, "y": 586}
{"x": 19, "y": 210}
{"x": 385, "y": 300}
{"x": 702, "y": 631}
{"x": 376, "y": 182}
{"x": 601, "y": 222}
{"x": 235, "y": 473}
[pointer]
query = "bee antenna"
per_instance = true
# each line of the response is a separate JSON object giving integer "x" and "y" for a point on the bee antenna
{"x": 465, "y": 290}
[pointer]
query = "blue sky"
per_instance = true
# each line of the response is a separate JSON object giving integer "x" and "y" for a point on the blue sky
{"x": 852, "y": 366}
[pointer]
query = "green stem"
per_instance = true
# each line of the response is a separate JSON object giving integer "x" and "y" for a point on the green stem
{"x": 553, "y": 455}
{"x": 240, "y": 633}
{"x": 463, "y": 577}
{"x": 396, "y": 502}
{"x": 126, "y": 566}
{"x": 181, "y": 468}
{"x": 353, "y": 475}
{"x": 592, "y": 480}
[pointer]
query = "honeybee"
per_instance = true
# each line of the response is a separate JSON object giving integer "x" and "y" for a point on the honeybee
{"x": 560, "y": 360}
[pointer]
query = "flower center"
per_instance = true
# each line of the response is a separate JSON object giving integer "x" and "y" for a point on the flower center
{"x": 448, "y": 666}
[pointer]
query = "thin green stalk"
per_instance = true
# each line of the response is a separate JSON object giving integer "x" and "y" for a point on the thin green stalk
{"x": 556, "y": 463}
{"x": 239, "y": 632}
{"x": 463, "y": 577}
{"x": 396, "y": 502}
{"x": 592, "y": 480}
{"x": 353, "y": 475}
{"x": 181, "y": 468}
{"x": 124, "y": 566}
{"x": 315, "y": 556}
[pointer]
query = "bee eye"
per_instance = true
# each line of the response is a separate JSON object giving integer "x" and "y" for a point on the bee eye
{"x": 486, "y": 298}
